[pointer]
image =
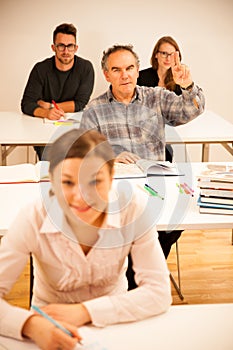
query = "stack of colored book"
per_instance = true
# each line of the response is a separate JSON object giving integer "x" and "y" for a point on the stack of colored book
{"x": 216, "y": 189}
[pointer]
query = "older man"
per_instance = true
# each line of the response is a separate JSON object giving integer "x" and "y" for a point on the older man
{"x": 133, "y": 117}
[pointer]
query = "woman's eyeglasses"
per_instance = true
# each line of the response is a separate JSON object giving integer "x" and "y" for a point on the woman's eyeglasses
{"x": 165, "y": 54}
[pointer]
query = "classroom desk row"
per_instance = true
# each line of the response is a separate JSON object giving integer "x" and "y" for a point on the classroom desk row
{"x": 193, "y": 327}
{"x": 178, "y": 211}
{"x": 208, "y": 128}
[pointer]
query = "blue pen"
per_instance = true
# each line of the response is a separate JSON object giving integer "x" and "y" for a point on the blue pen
{"x": 58, "y": 325}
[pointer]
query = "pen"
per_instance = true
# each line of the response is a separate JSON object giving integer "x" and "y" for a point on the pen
{"x": 190, "y": 189}
{"x": 152, "y": 191}
{"x": 55, "y": 323}
{"x": 187, "y": 189}
{"x": 180, "y": 188}
{"x": 55, "y": 105}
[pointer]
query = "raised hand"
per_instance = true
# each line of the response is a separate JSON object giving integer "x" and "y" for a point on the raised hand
{"x": 181, "y": 72}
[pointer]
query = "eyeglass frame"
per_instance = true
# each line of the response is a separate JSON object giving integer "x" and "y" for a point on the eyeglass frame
{"x": 58, "y": 46}
{"x": 165, "y": 54}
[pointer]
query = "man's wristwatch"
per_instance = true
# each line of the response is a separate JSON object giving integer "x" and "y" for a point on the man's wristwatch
{"x": 188, "y": 88}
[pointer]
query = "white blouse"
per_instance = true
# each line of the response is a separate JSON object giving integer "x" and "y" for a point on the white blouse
{"x": 64, "y": 274}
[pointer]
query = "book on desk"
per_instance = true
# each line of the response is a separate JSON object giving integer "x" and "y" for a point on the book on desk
{"x": 144, "y": 168}
{"x": 25, "y": 172}
{"x": 69, "y": 118}
{"x": 216, "y": 189}
{"x": 214, "y": 208}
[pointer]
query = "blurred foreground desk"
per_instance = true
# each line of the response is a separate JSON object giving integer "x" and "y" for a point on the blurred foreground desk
{"x": 192, "y": 327}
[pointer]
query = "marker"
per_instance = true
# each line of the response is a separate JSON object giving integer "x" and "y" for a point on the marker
{"x": 180, "y": 188}
{"x": 55, "y": 323}
{"x": 63, "y": 122}
{"x": 55, "y": 105}
{"x": 152, "y": 191}
{"x": 187, "y": 189}
{"x": 190, "y": 189}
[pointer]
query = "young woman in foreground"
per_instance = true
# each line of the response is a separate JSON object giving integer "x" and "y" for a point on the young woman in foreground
{"x": 80, "y": 234}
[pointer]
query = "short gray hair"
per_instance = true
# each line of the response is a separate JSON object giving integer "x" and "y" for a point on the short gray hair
{"x": 116, "y": 48}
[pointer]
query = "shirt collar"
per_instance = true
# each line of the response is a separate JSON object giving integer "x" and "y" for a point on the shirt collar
{"x": 137, "y": 95}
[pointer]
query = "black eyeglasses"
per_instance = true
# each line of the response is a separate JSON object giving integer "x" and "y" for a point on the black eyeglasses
{"x": 165, "y": 54}
{"x": 62, "y": 47}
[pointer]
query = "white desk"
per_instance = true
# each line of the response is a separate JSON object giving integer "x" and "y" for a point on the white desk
{"x": 192, "y": 327}
{"x": 22, "y": 130}
{"x": 208, "y": 128}
{"x": 177, "y": 211}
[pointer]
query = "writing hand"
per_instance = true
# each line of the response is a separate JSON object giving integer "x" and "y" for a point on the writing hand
{"x": 49, "y": 337}
{"x": 181, "y": 72}
{"x": 55, "y": 114}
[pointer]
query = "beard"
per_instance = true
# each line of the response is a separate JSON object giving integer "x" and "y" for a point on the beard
{"x": 65, "y": 60}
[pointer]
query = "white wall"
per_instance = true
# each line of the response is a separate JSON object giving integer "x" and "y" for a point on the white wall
{"x": 203, "y": 29}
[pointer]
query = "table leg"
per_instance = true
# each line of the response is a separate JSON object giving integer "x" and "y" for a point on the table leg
{"x": 205, "y": 152}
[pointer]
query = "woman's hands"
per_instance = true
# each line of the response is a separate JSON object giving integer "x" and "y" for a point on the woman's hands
{"x": 49, "y": 337}
{"x": 75, "y": 314}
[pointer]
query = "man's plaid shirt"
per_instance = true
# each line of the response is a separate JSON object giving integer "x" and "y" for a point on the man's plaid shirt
{"x": 139, "y": 127}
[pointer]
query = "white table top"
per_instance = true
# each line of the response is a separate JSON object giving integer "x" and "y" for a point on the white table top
{"x": 206, "y": 128}
{"x": 19, "y": 129}
{"x": 177, "y": 211}
{"x": 192, "y": 327}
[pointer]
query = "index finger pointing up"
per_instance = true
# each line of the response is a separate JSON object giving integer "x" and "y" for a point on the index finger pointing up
{"x": 177, "y": 58}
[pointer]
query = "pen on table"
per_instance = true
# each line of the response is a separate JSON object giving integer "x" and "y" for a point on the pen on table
{"x": 63, "y": 122}
{"x": 190, "y": 189}
{"x": 152, "y": 191}
{"x": 187, "y": 189}
{"x": 55, "y": 323}
{"x": 180, "y": 188}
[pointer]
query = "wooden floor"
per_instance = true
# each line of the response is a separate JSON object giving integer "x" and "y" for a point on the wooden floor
{"x": 206, "y": 260}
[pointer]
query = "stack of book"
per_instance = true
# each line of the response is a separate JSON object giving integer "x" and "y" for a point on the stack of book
{"x": 216, "y": 189}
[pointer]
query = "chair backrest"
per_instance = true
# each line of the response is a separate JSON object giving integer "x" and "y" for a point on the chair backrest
{"x": 168, "y": 153}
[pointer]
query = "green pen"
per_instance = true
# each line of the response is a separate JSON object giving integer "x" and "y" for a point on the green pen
{"x": 152, "y": 191}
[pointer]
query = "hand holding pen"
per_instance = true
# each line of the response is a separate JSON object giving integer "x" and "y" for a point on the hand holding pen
{"x": 48, "y": 333}
{"x": 55, "y": 113}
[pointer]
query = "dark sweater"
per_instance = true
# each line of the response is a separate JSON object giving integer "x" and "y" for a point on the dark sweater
{"x": 47, "y": 83}
{"x": 149, "y": 77}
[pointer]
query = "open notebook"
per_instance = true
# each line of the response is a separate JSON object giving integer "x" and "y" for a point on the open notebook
{"x": 25, "y": 172}
{"x": 144, "y": 168}
{"x": 70, "y": 118}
